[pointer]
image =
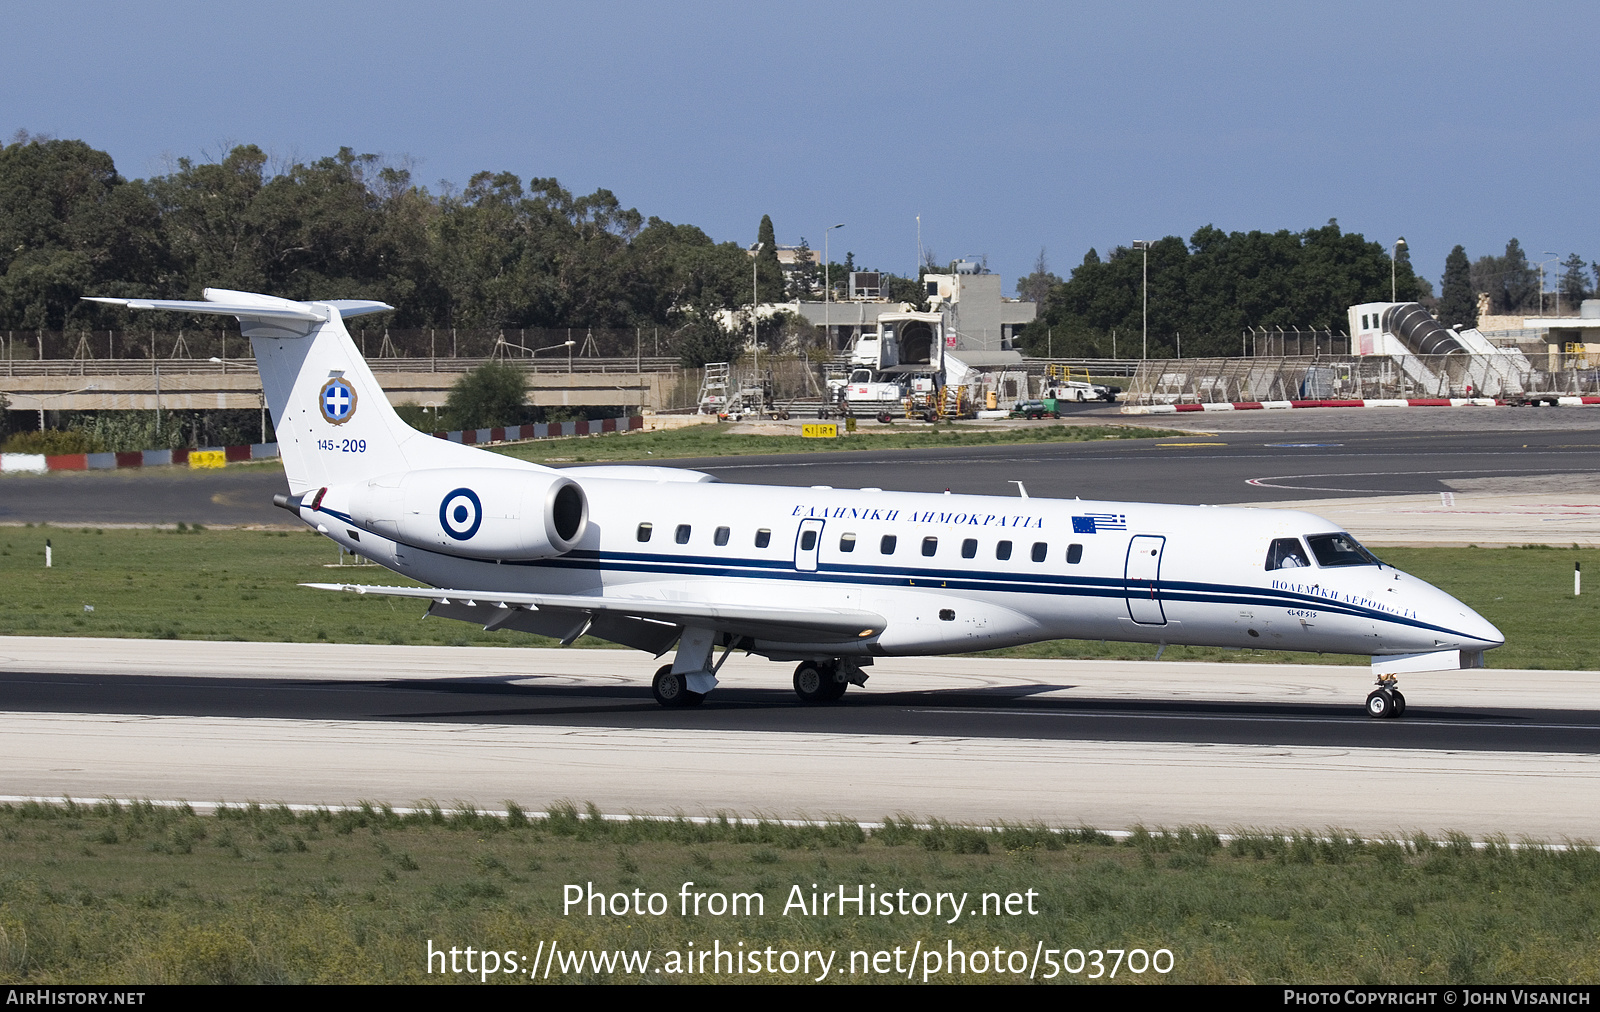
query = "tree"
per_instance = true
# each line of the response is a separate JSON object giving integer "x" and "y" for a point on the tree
{"x": 912, "y": 291}
{"x": 1458, "y": 304}
{"x": 1574, "y": 285}
{"x": 1406, "y": 284}
{"x": 69, "y": 223}
{"x": 1036, "y": 287}
{"x": 1512, "y": 285}
{"x": 489, "y": 396}
{"x": 769, "y": 273}
{"x": 1213, "y": 287}
{"x": 704, "y": 340}
{"x": 804, "y": 279}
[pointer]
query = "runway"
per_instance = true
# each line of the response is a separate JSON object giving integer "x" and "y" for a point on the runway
{"x": 1107, "y": 744}
{"x": 1354, "y": 453}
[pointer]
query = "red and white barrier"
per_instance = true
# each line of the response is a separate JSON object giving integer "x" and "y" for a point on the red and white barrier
{"x": 216, "y": 456}
{"x": 1376, "y": 402}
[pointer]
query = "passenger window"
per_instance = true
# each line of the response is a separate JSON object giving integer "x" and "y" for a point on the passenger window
{"x": 1040, "y": 550}
{"x": 721, "y": 536}
{"x": 808, "y": 541}
{"x": 644, "y": 532}
{"x": 929, "y": 546}
{"x": 847, "y": 542}
{"x": 1286, "y": 553}
{"x": 763, "y": 538}
{"x": 886, "y": 545}
{"x": 969, "y": 548}
{"x": 1002, "y": 551}
{"x": 1074, "y": 554}
{"x": 681, "y": 536}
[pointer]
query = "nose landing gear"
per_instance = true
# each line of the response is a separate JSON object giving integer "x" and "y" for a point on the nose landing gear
{"x": 1386, "y": 700}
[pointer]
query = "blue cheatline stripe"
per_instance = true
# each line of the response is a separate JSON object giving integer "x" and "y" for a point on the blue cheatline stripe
{"x": 1061, "y": 586}
{"x": 1172, "y": 592}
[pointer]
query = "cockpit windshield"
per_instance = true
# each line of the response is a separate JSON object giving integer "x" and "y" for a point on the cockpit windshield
{"x": 1340, "y": 549}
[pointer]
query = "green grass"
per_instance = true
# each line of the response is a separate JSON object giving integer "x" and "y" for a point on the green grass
{"x": 716, "y": 440}
{"x": 243, "y": 585}
{"x": 145, "y": 894}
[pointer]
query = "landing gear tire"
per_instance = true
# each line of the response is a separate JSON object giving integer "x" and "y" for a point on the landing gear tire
{"x": 1399, "y": 703}
{"x": 1381, "y": 703}
{"x": 833, "y": 678}
{"x": 817, "y": 683}
{"x": 673, "y": 690}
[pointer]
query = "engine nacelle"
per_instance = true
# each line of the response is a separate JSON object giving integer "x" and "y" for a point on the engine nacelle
{"x": 478, "y": 512}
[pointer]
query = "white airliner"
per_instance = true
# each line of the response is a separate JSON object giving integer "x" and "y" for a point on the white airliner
{"x": 652, "y": 557}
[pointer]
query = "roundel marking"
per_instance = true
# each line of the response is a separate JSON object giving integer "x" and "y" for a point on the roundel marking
{"x": 338, "y": 401}
{"x": 460, "y": 513}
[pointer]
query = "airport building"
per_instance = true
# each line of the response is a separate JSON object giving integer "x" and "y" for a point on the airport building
{"x": 979, "y": 319}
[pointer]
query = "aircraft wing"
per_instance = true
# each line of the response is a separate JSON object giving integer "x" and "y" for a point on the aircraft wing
{"x": 828, "y": 625}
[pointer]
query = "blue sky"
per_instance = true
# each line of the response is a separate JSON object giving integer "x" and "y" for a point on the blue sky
{"x": 1007, "y": 127}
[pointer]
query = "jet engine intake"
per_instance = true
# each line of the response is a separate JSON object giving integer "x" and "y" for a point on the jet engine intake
{"x": 480, "y": 513}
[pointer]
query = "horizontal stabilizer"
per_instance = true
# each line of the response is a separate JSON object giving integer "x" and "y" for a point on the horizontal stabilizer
{"x": 744, "y": 620}
{"x": 249, "y": 305}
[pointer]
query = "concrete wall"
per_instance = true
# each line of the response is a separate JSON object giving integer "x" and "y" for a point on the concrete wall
{"x": 210, "y": 391}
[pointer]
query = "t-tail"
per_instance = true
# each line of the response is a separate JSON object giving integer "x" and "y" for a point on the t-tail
{"x": 333, "y": 422}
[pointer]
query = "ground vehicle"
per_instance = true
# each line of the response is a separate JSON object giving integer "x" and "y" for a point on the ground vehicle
{"x": 1065, "y": 383}
{"x": 1036, "y": 409}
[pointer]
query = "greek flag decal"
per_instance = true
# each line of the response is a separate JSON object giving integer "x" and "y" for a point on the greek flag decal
{"x": 1094, "y": 523}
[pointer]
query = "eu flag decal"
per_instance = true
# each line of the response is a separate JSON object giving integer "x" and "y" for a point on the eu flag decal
{"x": 1094, "y": 523}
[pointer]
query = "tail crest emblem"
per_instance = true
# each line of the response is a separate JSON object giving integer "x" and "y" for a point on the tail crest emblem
{"x": 338, "y": 401}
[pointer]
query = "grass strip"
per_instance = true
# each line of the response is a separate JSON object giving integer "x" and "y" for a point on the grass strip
{"x": 724, "y": 441}
{"x": 141, "y": 893}
{"x": 191, "y": 583}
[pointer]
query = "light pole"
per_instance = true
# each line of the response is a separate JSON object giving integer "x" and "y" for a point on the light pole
{"x": 1143, "y": 245}
{"x": 755, "y": 336}
{"x": 1394, "y": 256}
{"x": 827, "y": 287}
{"x": 41, "y": 398}
{"x": 567, "y": 344}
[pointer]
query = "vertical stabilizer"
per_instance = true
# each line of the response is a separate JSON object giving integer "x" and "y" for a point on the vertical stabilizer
{"x": 335, "y": 426}
{"x": 334, "y": 423}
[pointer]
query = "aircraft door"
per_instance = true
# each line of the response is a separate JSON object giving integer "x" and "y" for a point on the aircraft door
{"x": 807, "y": 544}
{"x": 1142, "y": 579}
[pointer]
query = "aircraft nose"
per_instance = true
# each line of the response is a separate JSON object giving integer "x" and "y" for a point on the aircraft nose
{"x": 1477, "y": 632}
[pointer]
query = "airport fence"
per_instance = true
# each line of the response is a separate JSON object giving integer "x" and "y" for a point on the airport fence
{"x": 1361, "y": 377}
{"x": 540, "y": 348}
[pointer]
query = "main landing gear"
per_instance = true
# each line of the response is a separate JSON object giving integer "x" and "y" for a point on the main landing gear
{"x": 825, "y": 681}
{"x": 1386, "y": 700}
{"x": 673, "y": 690}
{"x": 815, "y": 681}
